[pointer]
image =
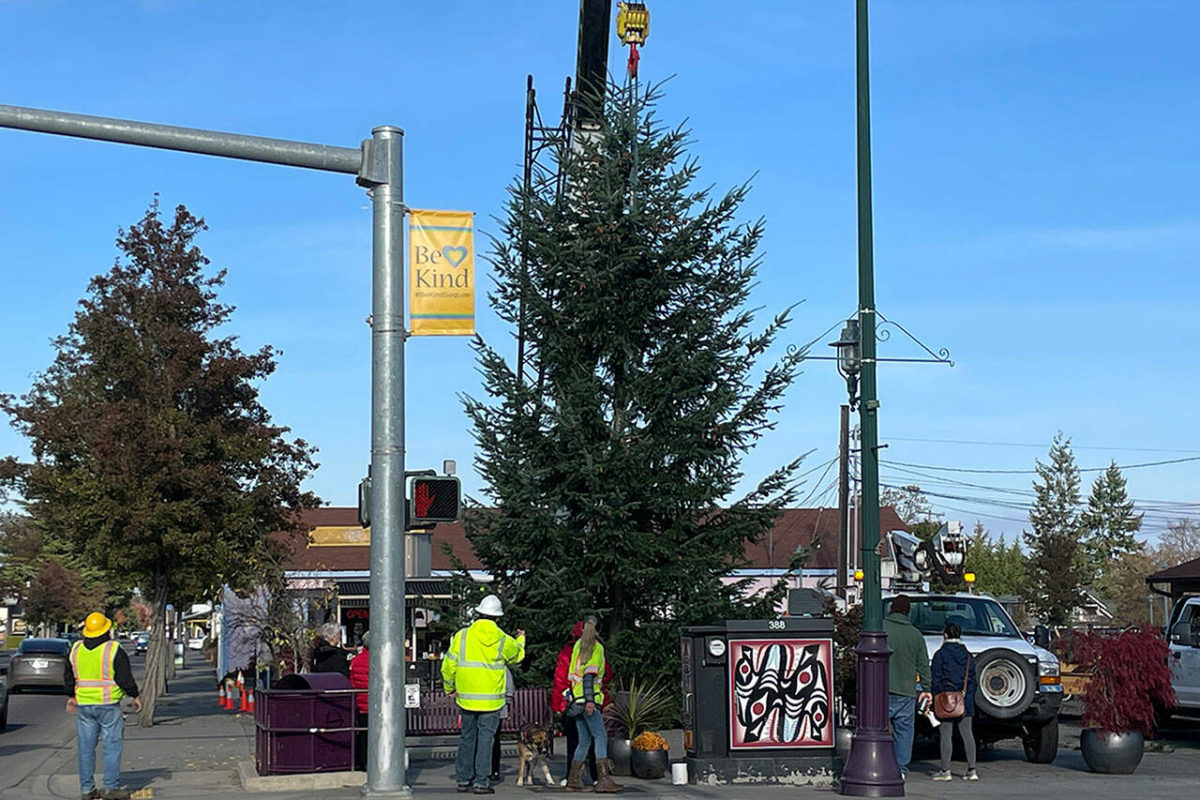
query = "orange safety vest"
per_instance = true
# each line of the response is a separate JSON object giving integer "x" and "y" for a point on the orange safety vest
{"x": 95, "y": 676}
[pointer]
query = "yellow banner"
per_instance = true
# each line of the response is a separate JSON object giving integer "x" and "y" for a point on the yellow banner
{"x": 441, "y": 273}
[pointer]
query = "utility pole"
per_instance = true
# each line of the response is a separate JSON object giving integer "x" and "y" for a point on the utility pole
{"x": 871, "y": 770}
{"x": 376, "y": 164}
{"x": 843, "y": 551}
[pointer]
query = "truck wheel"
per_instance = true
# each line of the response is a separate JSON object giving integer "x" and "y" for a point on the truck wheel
{"x": 1007, "y": 683}
{"x": 1041, "y": 743}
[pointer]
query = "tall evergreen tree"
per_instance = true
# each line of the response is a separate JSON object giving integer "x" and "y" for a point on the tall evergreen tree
{"x": 152, "y": 455}
{"x": 1109, "y": 522}
{"x": 612, "y": 478}
{"x": 1057, "y": 567}
{"x": 999, "y": 567}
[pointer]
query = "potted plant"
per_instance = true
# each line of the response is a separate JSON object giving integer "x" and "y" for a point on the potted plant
{"x": 1127, "y": 676}
{"x": 650, "y": 757}
{"x": 632, "y": 712}
{"x": 846, "y": 627}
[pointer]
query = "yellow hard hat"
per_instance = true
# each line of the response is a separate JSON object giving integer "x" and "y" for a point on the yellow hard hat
{"x": 96, "y": 624}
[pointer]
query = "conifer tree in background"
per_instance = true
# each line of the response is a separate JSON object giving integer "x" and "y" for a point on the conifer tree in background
{"x": 1109, "y": 521}
{"x": 999, "y": 567}
{"x": 613, "y": 479}
{"x": 1057, "y": 565}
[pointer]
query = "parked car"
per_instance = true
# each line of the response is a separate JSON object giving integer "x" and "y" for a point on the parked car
{"x": 1184, "y": 638}
{"x": 3, "y": 701}
{"x": 1019, "y": 690}
{"x": 196, "y": 642}
{"x": 141, "y": 643}
{"x": 39, "y": 663}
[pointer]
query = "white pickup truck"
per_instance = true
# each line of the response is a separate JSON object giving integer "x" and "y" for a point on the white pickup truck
{"x": 1183, "y": 633}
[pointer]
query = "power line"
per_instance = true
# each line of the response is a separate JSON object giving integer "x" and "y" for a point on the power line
{"x": 1034, "y": 471}
{"x": 1040, "y": 445}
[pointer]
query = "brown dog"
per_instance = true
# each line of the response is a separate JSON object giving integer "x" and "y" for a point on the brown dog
{"x": 534, "y": 746}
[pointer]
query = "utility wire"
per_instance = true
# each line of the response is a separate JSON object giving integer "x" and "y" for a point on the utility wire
{"x": 1034, "y": 471}
{"x": 1041, "y": 445}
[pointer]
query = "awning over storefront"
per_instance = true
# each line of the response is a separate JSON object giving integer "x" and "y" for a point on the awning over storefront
{"x": 413, "y": 587}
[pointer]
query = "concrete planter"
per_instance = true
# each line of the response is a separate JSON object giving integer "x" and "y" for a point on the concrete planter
{"x": 619, "y": 753}
{"x": 649, "y": 764}
{"x": 1111, "y": 753}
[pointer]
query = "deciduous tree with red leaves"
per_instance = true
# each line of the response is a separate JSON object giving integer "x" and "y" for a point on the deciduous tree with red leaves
{"x": 1129, "y": 680}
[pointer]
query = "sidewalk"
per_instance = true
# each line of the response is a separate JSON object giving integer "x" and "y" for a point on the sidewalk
{"x": 195, "y": 750}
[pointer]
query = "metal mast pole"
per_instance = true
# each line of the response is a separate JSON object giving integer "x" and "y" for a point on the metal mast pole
{"x": 843, "y": 571}
{"x": 377, "y": 165}
{"x": 871, "y": 770}
{"x": 385, "y": 749}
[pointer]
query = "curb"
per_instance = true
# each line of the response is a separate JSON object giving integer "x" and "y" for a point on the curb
{"x": 251, "y": 781}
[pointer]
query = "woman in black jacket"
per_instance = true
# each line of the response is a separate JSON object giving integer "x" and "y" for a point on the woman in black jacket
{"x": 327, "y": 654}
{"x": 954, "y": 671}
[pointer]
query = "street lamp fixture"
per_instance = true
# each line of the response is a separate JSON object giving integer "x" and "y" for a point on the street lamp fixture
{"x": 849, "y": 358}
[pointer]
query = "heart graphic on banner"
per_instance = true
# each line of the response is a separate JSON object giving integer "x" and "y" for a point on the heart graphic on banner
{"x": 455, "y": 255}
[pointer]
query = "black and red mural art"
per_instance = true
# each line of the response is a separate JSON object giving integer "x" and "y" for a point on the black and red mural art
{"x": 780, "y": 693}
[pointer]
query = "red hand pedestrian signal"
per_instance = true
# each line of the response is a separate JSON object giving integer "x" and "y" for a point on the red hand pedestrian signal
{"x": 422, "y": 499}
{"x": 434, "y": 499}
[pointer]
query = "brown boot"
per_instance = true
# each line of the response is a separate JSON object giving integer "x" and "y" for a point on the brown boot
{"x": 605, "y": 783}
{"x": 575, "y": 778}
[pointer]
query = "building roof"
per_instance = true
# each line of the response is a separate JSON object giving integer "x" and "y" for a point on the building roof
{"x": 343, "y": 522}
{"x": 802, "y": 527}
{"x": 337, "y": 542}
{"x": 1181, "y": 579}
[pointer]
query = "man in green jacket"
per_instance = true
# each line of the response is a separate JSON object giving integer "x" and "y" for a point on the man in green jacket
{"x": 908, "y": 677}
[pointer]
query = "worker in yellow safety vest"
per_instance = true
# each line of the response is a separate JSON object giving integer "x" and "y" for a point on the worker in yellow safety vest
{"x": 473, "y": 673}
{"x": 586, "y": 678}
{"x": 98, "y": 675}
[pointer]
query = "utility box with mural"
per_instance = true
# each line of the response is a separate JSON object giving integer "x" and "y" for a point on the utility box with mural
{"x": 757, "y": 701}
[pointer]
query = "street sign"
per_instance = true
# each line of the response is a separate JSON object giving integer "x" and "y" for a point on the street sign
{"x": 412, "y": 695}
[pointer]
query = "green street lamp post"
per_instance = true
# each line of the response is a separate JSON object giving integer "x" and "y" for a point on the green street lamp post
{"x": 871, "y": 770}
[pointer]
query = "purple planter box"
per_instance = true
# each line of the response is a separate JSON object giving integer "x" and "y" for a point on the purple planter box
{"x": 303, "y": 725}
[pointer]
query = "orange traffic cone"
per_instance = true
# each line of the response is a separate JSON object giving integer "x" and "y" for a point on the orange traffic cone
{"x": 250, "y": 701}
{"x": 221, "y": 695}
{"x": 229, "y": 698}
{"x": 243, "y": 706}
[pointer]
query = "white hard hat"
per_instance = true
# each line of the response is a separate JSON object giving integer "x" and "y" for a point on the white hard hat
{"x": 490, "y": 607}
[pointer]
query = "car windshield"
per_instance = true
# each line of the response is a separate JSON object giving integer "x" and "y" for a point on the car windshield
{"x": 977, "y": 616}
{"x": 58, "y": 647}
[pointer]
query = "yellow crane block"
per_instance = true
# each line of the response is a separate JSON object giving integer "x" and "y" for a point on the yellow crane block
{"x": 633, "y": 23}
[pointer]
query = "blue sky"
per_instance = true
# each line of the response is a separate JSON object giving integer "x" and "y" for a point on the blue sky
{"x": 1035, "y": 210}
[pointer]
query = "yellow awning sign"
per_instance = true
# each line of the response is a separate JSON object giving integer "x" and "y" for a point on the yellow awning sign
{"x": 441, "y": 273}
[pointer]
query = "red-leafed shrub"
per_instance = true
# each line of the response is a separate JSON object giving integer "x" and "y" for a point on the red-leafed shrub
{"x": 1128, "y": 676}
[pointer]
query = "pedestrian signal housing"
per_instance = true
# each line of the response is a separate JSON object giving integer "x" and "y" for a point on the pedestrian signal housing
{"x": 436, "y": 498}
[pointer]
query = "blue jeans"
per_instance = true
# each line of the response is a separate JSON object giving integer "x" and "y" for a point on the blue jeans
{"x": 474, "y": 762}
{"x": 94, "y": 724}
{"x": 902, "y": 713}
{"x": 591, "y": 729}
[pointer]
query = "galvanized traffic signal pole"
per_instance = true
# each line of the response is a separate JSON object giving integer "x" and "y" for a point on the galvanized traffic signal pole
{"x": 377, "y": 165}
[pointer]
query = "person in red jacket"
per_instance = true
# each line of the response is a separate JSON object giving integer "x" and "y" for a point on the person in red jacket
{"x": 558, "y": 698}
{"x": 360, "y": 670}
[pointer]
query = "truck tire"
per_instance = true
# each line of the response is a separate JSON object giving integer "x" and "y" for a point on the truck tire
{"x": 1041, "y": 743}
{"x": 1007, "y": 683}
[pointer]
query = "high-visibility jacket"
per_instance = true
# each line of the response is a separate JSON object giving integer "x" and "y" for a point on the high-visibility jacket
{"x": 594, "y": 666}
{"x": 473, "y": 667}
{"x": 95, "y": 674}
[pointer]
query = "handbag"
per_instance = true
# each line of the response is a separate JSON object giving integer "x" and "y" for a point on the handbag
{"x": 573, "y": 708}
{"x": 952, "y": 705}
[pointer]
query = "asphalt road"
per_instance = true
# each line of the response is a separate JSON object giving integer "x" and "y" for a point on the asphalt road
{"x": 40, "y": 733}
